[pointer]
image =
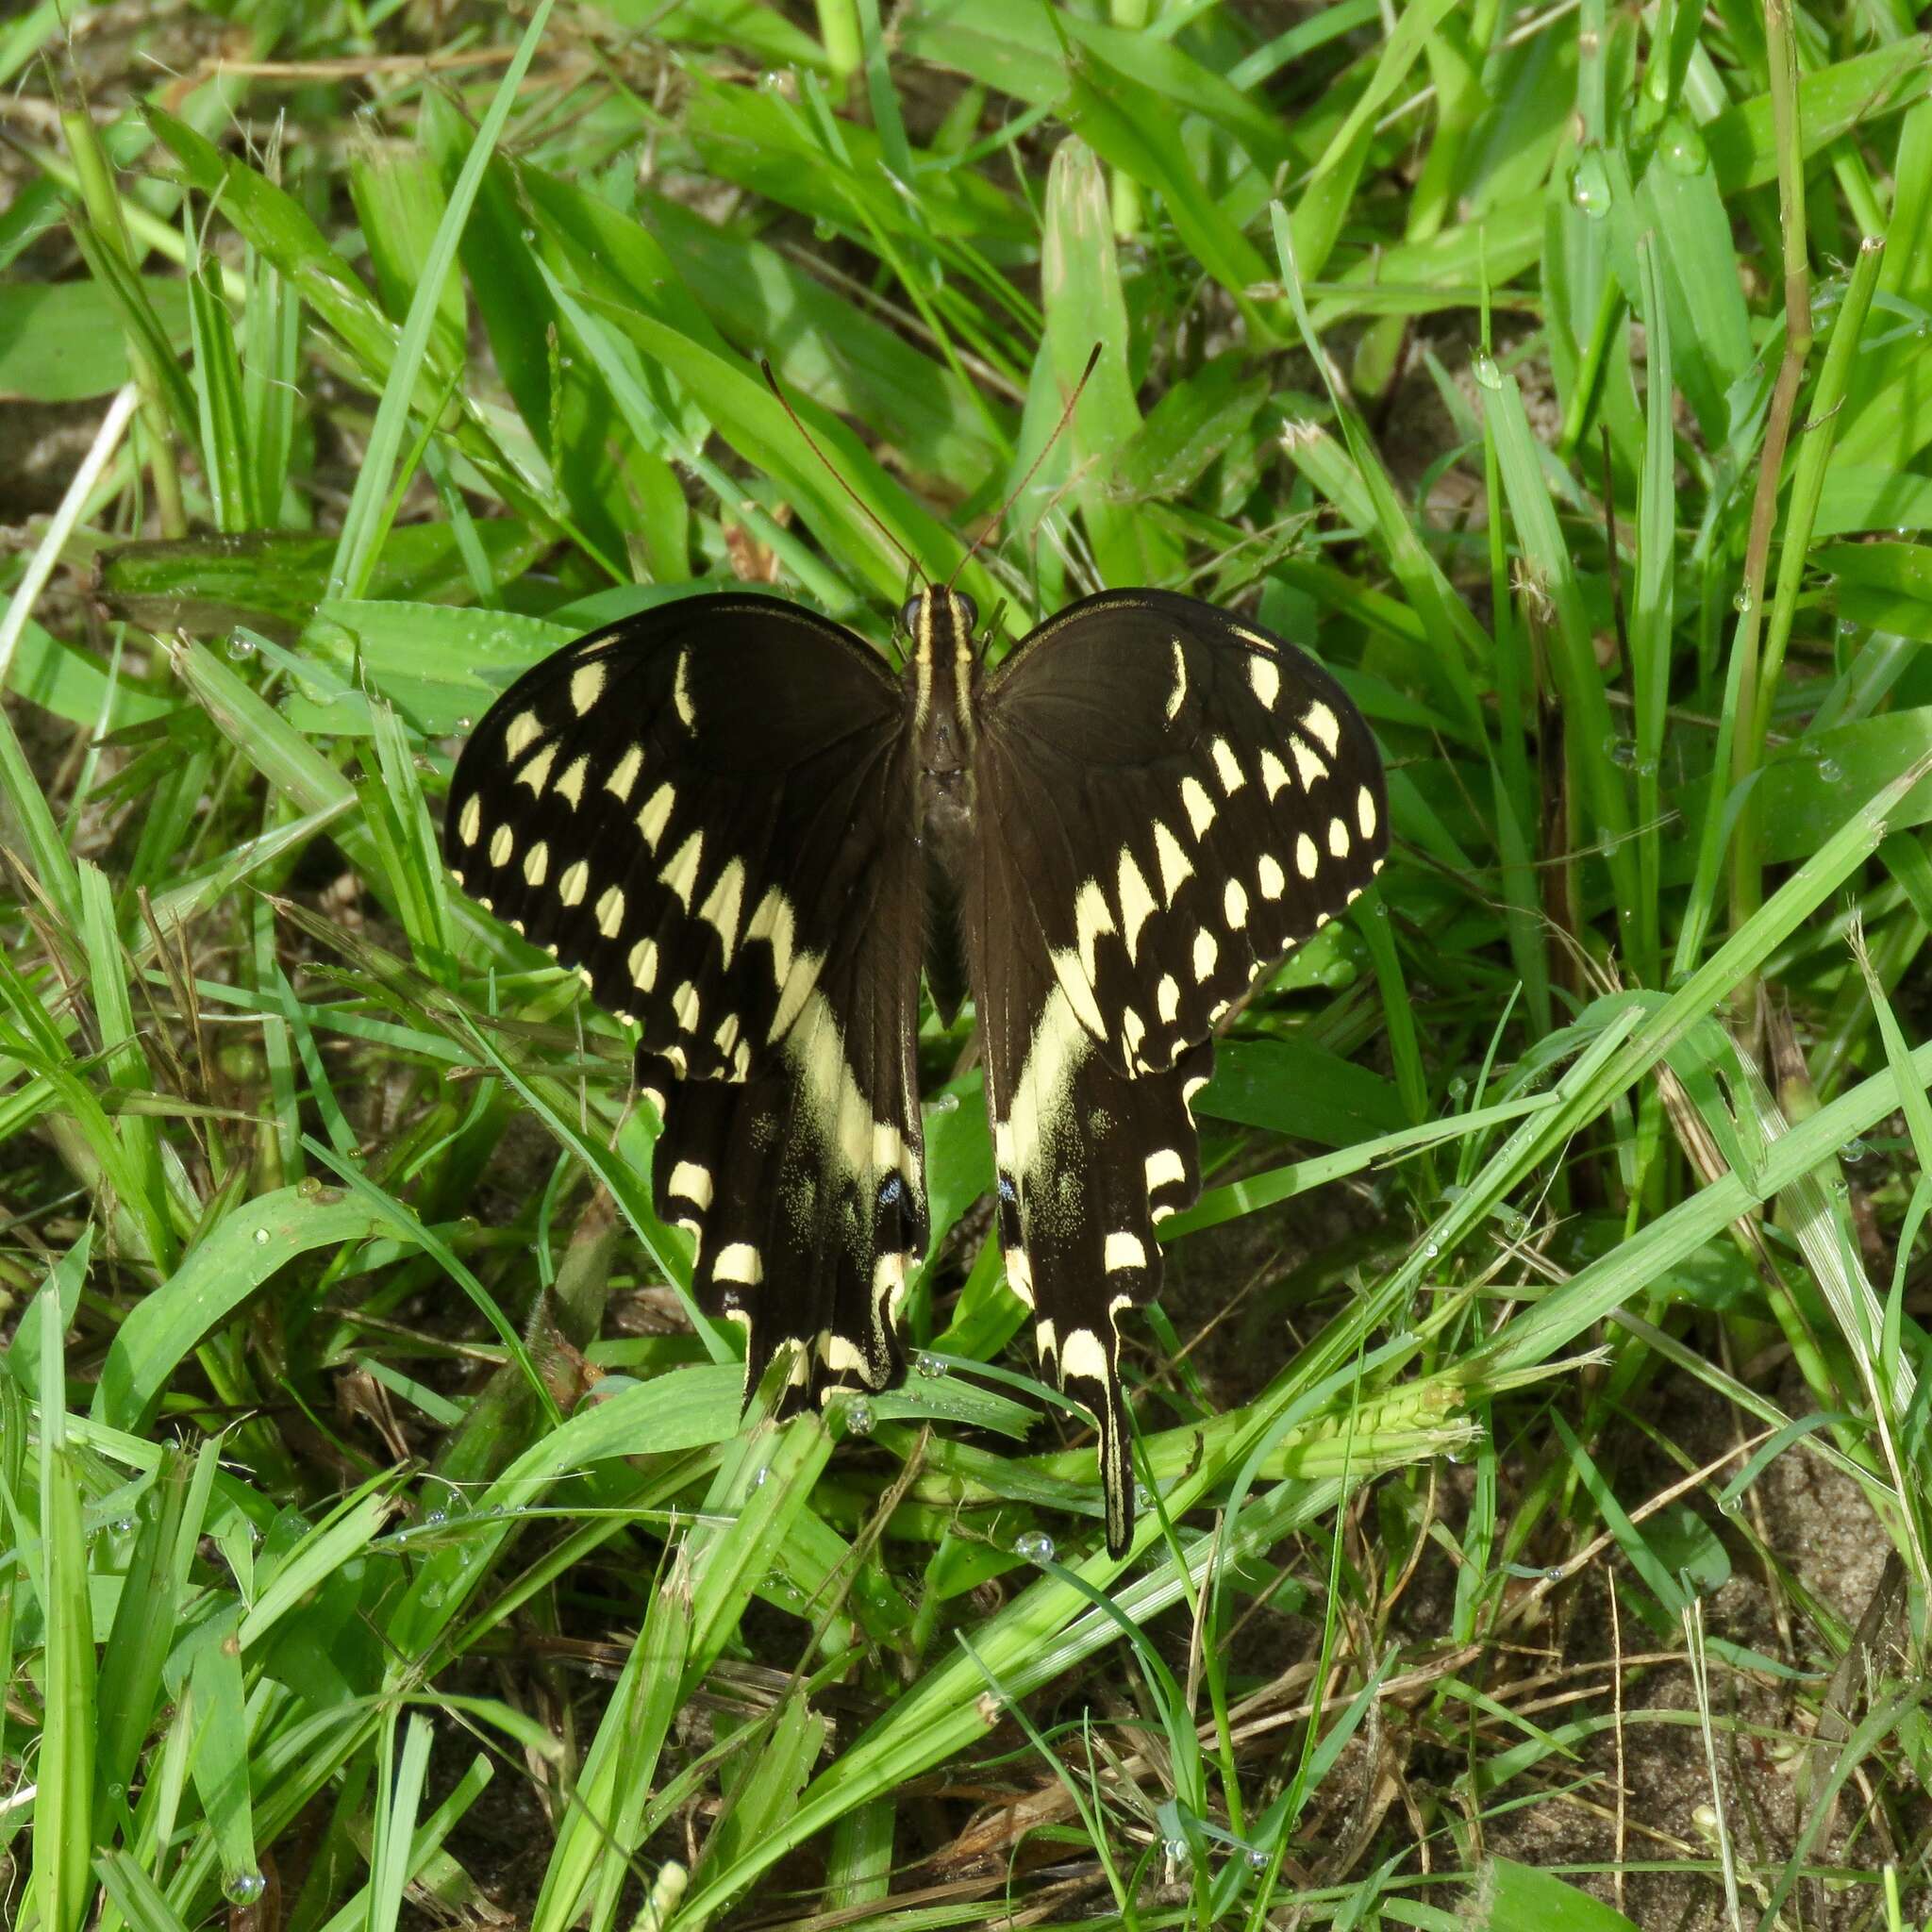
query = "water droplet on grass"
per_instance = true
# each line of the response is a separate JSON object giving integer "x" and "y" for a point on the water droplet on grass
{"x": 1683, "y": 148}
{"x": 1035, "y": 1545}
{"x": 1589, "y": 185}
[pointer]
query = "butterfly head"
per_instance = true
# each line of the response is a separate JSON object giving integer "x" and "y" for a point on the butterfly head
{"x": 940, "y": 620}
{"x": 942, "y": 672}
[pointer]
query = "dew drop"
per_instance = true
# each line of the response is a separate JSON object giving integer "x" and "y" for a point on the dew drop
{"x": 245, "y": 1887}
{"x": 1554, "y": 1574}
{"x": 1432, "y": 1249}
{"x": 1620, "y": 750}
{"x": 436, "y": 1519}
{"x": 1257, "y": 1858}
{"x": 1589, "y": 186}
{"x": 529, "y": 234}
{"x": 1742, "y": 602}
{"x": 930, "y": 1366}
{"x": 946, "y": 1103}
{"x": 261, "y": 1237}
{"x": 859, "y": 1417}
{"x": 240, "y": 648}
{"x": 1830, "y": 771}
{"x": 1035, "y": 1545}
{"x": 1176, "y": 1850}
{"x": 1486, "y": 371}
{"x": 1683, "y": 148}
{"x": 824, "y": 230}
{"x": 465, "y": 725}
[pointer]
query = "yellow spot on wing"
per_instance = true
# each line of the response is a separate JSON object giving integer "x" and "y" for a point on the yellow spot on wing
{"x": 586, "y": 685}
{"x": 655, "y": 815}
{"x": 741, "y": 1263}
{"x": 681, "y": 874}
{"x": 1082, "y": 1356}
{"x": 524, "y": 729}
{"x": 1175, "y": 868}
{"x": 1091, "y": 917}
{"x": 692, "y": 1182}
{"x": 723, "y": 905}
{"x": 1165, "y": 1167}
{"x": 626, "y": 775}
{"x": 1199, "y": 806}
{"x": 1137, "y": 904}
{"x": 536, "y": 772}
{"x": 1227, "y": 767}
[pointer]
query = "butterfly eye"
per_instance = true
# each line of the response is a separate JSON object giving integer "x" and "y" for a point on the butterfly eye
{"x": 909, "y": 614}
{"x": 969, "y": 610}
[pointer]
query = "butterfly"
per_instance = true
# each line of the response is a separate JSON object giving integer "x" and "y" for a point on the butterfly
{"x": 749, "y": 835}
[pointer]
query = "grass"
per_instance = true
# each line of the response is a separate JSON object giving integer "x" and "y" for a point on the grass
{"x": 1537, "y": 1522}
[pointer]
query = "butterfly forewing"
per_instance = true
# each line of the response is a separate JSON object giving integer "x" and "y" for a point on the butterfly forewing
{"x": 709, "y": 811}
{"x": 1167, "y": 799}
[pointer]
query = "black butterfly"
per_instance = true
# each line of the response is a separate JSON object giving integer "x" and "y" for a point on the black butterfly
{"x": 733, "y": 819}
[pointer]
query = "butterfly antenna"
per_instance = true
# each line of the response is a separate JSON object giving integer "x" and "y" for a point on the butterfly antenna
{"x": 1066, "y": 417}
{"x": 866, "y": 509}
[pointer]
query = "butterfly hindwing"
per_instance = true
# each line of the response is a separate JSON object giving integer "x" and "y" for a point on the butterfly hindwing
{"x": 708, "y": 811}
{"x": 1167, "y": 799}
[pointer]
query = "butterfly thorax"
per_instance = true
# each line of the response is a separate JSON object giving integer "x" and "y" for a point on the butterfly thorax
{"x": 942, "y": 671}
